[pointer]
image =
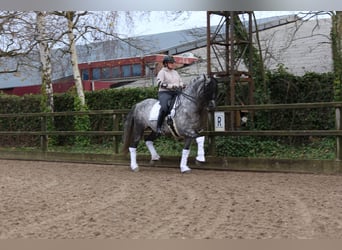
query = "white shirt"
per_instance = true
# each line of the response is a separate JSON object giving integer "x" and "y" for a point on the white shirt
{"x": 169, "y": 76}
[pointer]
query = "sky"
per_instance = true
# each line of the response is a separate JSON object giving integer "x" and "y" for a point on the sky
{"x": 159, "y": 23}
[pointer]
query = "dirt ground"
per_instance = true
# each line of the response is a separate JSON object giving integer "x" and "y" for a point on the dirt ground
{"x": 46, "y": 200}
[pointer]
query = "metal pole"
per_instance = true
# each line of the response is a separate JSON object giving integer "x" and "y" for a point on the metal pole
{"x": 231, "y": 67}
{"x": 208, "y": 44}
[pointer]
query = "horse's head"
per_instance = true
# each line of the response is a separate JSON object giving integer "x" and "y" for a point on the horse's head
{"x": 202, "y": 90}
{"x": 196, "y": 98}
{"x": 206, "y": 90}
{"x": 210, "y": 91}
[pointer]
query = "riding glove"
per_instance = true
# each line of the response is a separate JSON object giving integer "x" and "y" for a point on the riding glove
{"x": 164, "y": 85}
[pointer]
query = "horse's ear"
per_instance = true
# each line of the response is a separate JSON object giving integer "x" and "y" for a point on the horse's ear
{"x": 204, "y": 77}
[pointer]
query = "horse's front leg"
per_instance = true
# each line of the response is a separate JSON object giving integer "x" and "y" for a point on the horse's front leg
{"x": 184, "y": 168}
{"x": 200, "y": 149}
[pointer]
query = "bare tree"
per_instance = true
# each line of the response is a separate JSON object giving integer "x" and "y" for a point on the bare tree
{"x": 310, "y": 27}
{"x": 45, "y": 58}
{"x": 334, "y": 40}
{"x": 16, "y": 39}
{"x": 72, "y": 18}
{"x": 82, "y": 27}
{"x": 23, "y": 32}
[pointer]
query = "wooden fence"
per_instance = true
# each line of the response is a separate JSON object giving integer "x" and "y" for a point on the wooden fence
{"x": 119, "y": 115}
{"x": 337, "y": 132}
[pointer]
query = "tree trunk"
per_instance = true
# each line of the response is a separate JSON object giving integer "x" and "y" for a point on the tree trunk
{"x": 45, "y": 59}
{"x": 74, "y": 60}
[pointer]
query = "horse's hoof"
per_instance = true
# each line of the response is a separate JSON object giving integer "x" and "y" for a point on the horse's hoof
{"x": 155, "y": 158}
{"x": 135, "y": 169}
{"x": 199, "y": 163}
{"x": 200, "y": 158}
{"x": 185, "y": 170}
{"x": 153, "y": 162}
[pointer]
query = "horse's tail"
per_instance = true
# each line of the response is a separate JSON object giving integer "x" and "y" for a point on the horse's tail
{"x": 128, "y": 130}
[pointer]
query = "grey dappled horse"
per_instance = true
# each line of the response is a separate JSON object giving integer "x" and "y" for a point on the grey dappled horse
{"x": 190, "y": 109}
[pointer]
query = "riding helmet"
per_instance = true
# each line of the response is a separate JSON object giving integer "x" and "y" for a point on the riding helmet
{"x": 168, "y": 59}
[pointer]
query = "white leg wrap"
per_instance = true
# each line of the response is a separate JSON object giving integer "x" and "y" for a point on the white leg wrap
{"x": 184, "y": 161}
{"x": 200, "y": 149}
{"x": 153, "y": 152}
{"x": 133, "y": 155}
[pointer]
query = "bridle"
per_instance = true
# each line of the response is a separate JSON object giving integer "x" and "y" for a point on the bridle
{"x": 194, "y": 99}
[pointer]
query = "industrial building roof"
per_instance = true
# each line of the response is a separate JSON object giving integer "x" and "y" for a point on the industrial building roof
{"x": 175, "y": 42}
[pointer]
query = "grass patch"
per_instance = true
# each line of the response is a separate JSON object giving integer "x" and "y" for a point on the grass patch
{"x": 243, "y": 146}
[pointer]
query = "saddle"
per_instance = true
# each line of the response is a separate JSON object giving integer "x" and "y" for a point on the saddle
{"x": 170, "y": 114}
{"x": 156, "y": 107}
{"x": 171, "y": 103}
{"x": 170, "y": 108}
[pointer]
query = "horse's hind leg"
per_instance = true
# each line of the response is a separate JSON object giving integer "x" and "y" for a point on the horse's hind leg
{"x": 149, "y": 144}
{"x": 133, "y": 156}
{"x": 138, "y": 132}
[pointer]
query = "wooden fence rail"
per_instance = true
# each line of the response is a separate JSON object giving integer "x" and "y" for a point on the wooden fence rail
{"x": 118, "y": 116}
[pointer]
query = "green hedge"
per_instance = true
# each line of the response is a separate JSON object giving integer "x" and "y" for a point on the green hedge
{"x": 108, "y": 99}
{"x": 13, "y": 105}
{"x": 282, "y": 87}
{"x": 285, "y": 88}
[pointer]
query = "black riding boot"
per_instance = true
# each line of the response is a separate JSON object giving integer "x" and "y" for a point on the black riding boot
{"x": 161, "y": 118}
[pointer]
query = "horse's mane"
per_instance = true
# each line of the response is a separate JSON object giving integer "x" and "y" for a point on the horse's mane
{"x": 199, "y": 86}
{"x": 193, "y": 85}
{"x": 197, "y": 79}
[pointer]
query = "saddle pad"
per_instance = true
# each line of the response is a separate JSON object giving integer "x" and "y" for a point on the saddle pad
{"x": 154, "y": 112}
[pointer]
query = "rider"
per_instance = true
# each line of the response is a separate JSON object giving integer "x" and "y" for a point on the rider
{"x": 167, "y": 79}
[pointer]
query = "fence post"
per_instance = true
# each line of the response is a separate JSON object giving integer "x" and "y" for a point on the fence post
{"x": 44, "y": 137}
{"x": 338, "y": 123}
{"x": 115, "y": 137}
{"x": 211, "y": 139}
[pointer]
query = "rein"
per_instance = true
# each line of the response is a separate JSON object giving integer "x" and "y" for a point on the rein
{"x": 187, "y": 96}
{"x": 190, "y": 97}
{"x": 197, "y": 95}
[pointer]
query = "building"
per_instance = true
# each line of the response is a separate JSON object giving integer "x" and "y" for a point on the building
{"x": 301, "y": 46}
